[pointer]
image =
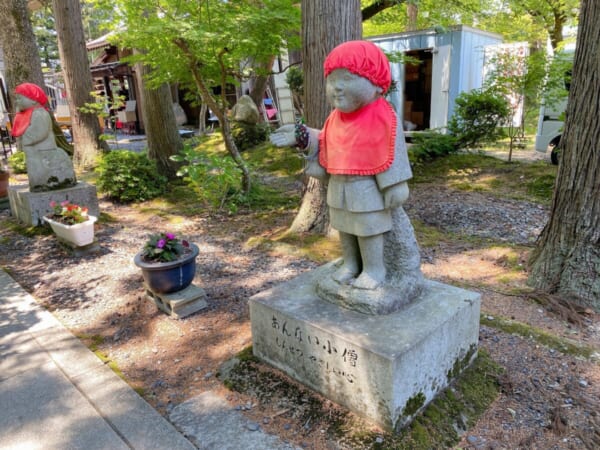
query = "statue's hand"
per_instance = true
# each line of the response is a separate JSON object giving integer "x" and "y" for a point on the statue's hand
{"x": 284, "y": 136}
{"x": 395, "y": 195}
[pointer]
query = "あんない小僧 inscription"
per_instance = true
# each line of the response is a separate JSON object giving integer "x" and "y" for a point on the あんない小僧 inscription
{"x": 312, "y": 352}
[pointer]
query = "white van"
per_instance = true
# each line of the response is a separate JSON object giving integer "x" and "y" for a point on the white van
{"x": 551, "y": 118}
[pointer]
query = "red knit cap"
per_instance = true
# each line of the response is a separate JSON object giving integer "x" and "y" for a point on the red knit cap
{"x": 361, "y": 58}
{"x": 33, "y": 92}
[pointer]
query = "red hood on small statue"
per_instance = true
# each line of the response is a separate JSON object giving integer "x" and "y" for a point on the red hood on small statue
{"x": 23, "y": 118}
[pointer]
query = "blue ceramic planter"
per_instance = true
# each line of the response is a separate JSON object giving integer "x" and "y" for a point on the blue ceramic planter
{"x": 167, "y": 277}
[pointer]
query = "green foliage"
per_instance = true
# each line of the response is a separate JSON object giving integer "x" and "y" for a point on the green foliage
{"x": 247, "y": 136}
{"x": 214, "y": 176}
{"x": 164, "y": 247}
{"x": 126, "y": 176}
{"x": 295, "y": 79}
{"x": 212, "y": 38}
{"x": 431, "y": 144}
{"x": 558, "y": 78}
{"x": 17, "y": 162}
{"x": 477, "y": 117}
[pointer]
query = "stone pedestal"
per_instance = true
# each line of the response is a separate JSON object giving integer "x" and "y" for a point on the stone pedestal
{"x": 181, "y": 303}
{"x": 30, "y": 207}
{"x": 385, "y": 368}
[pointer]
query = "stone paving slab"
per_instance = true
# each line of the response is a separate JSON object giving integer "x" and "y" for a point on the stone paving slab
{"x": 211, "y": 423}
{"x": 55, "y": 394}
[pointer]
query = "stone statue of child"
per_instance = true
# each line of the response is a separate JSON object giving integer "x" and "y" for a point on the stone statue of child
{"x": 48, "y": 166}
{"x": 361, "y": 153}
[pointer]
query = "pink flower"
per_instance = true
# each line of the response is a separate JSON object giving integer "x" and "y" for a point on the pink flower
{"x": 64, "y": 203}
{"x": 52, "y": 204}
{"x": 170, "y": 236}
{"x": 161, "y": 243}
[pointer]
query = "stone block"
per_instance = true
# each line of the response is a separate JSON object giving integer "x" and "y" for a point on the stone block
{"x": 30, "y": 207}
{"x": 181, "y": 303}
{"x": 386, "y": 368}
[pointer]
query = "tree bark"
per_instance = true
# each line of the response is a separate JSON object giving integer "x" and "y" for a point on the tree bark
{"x": 160, "y": 125}
{"x": 325, "y": 24}
{"x": 260, "y": 83}
{"x": 412, "y": 11}
{"x": 21, "y": 58}
{"x": 566, "y": 260}
{"x": 78, "y": 82}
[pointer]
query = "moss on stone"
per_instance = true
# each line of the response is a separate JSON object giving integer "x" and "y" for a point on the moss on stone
{"x": 457, "y": 407}
{"x": 461, "y": 364}
{"x": 413, "y": 404}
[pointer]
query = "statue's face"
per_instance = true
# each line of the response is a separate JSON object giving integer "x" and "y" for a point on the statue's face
{"x": 348, "y": 92}
{"x": 23, "y": 102}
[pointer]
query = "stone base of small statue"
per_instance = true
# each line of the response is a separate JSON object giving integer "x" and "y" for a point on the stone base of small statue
{"x": 31, "y": 207}
{"x": 403, "y": 281}
{"x": 386, "y": 368}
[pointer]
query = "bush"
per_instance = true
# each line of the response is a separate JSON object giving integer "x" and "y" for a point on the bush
{"x": 247, "y": 136}
{"x": 431, "y": 144}
{"x": 17, "y": 162}
{"x": 477, "y": 117}
{"x": 126, "y": 176}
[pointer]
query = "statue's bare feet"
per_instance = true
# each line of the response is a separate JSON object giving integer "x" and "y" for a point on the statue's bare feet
{"x": 344, "y": 274}
{"x": 369, "y": 281}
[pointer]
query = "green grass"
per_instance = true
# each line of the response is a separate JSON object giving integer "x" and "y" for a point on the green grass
{"x": 481, "y": 173}
{"x": 542, "y": 337}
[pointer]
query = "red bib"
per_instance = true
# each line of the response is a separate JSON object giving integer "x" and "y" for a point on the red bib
{"x": 359, "y": 143}
{"x": 22, "y": 121}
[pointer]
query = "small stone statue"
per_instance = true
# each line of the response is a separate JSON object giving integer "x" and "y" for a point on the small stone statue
{"x": 361, "y": 154}
{"x": 245, "y": 111}
{"x": 48, "y": 166}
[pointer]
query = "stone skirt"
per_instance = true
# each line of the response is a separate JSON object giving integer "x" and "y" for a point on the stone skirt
{"x": 360, "y": 223}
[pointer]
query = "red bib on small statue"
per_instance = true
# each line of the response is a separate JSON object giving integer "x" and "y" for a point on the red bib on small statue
{"x": 359, "y": 143}
{"x": 22, "y": 121}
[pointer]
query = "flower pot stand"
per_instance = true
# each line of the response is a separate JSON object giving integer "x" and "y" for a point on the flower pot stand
{"x": 179, "y": 304}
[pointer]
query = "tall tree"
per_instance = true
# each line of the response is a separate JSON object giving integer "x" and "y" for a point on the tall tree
{"x": 325, "y": 24}
{"x": 566, "y": 259}
{"x": 21, "y": 57}
{"x": 78, "y": 82}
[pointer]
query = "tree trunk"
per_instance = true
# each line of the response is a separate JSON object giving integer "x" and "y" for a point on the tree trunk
{"x": 160, "y": 125}
{"x": 78, "y": 82}
{"x": 21, "y": 58}
{"x": 566, "y": 259}
{"x": 325, "y": 24}
{"x": 261, "y": 82}
{"x": 412, "y": 11}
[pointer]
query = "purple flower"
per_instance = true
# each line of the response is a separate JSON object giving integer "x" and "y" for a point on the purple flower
{"x": 161, "y": 243}
{"x": 170, "y": 236}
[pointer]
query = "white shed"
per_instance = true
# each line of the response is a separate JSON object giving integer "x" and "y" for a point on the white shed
{"x": 450, "y": 62}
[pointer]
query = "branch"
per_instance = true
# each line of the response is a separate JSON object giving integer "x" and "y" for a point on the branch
{"x": 378, "y": 6}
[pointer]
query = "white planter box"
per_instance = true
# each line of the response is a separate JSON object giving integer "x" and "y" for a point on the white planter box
{"x": 79, "y": 234}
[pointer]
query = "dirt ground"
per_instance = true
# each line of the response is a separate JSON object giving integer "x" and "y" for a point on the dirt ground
{"x": 549, "y": 398}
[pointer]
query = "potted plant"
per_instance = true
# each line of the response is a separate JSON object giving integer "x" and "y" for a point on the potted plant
{"x": 168, "y": 263}
{"x": 71, "y": 223}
